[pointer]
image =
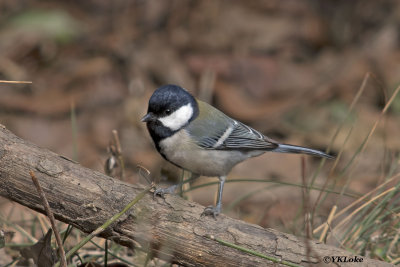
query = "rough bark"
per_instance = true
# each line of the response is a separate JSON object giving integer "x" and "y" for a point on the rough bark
{"x": 172, "y": 227}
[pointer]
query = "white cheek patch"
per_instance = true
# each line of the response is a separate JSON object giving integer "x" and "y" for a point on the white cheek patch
{"x": 178, "y": 118}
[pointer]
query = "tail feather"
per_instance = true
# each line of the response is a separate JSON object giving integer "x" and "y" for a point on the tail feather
{"x": 283, "y": 148}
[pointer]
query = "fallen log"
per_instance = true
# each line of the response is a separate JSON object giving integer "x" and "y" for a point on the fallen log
{"x": 171, "y": 228}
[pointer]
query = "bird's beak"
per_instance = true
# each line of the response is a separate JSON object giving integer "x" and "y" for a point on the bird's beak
{"x": 148, "y": 117}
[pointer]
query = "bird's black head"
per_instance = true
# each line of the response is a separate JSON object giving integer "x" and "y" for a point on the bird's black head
{"x": 170, "y": 109}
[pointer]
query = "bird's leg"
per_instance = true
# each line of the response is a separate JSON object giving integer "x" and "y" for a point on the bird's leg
{"x": 170, "y": 190}
{"x": 215, "y": 211}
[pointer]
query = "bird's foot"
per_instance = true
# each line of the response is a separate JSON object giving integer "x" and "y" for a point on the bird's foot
{"x": 212, "y": 211}
{"x": 162, "y": 191}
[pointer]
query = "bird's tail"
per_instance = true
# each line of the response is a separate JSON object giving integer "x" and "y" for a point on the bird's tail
{"x": 283, "y": 148}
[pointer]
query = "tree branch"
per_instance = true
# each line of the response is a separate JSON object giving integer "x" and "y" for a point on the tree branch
{"x": 172, "y": 228}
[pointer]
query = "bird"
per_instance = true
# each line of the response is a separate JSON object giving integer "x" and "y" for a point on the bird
{"x": 201, "y": 139}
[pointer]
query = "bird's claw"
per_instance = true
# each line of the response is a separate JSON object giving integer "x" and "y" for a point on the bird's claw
{"x": 211, "y": 211}
{"x": 163, "y": 191}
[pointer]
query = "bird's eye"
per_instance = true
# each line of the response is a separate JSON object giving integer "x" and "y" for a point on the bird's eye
{"x": 167, "y": 111}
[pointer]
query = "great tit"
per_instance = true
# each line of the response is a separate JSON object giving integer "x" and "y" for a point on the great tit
{"x": 197, "y": 137}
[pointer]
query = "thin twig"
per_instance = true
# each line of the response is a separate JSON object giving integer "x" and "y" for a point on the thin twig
{"x": 24, "y": 82}
{"x": 143, "y": 172}
{"x": 114, "y": 165}
{"x": 119, "y": 153}
{"x": 116, "y": 141}
{"x": 306, "y": 209}
{"x": 328, "y": 222}
{"x": 51, "y": 218}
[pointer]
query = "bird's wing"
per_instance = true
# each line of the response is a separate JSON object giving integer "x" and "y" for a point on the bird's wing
{"x": 242, "y": 137}
{"x": 224, "y": 133}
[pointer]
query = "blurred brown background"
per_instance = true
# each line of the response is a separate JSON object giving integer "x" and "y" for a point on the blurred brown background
{"x": 288, "y": 68}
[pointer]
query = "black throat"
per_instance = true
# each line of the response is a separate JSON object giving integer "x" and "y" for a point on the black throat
{"x": 158, "y": 132}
